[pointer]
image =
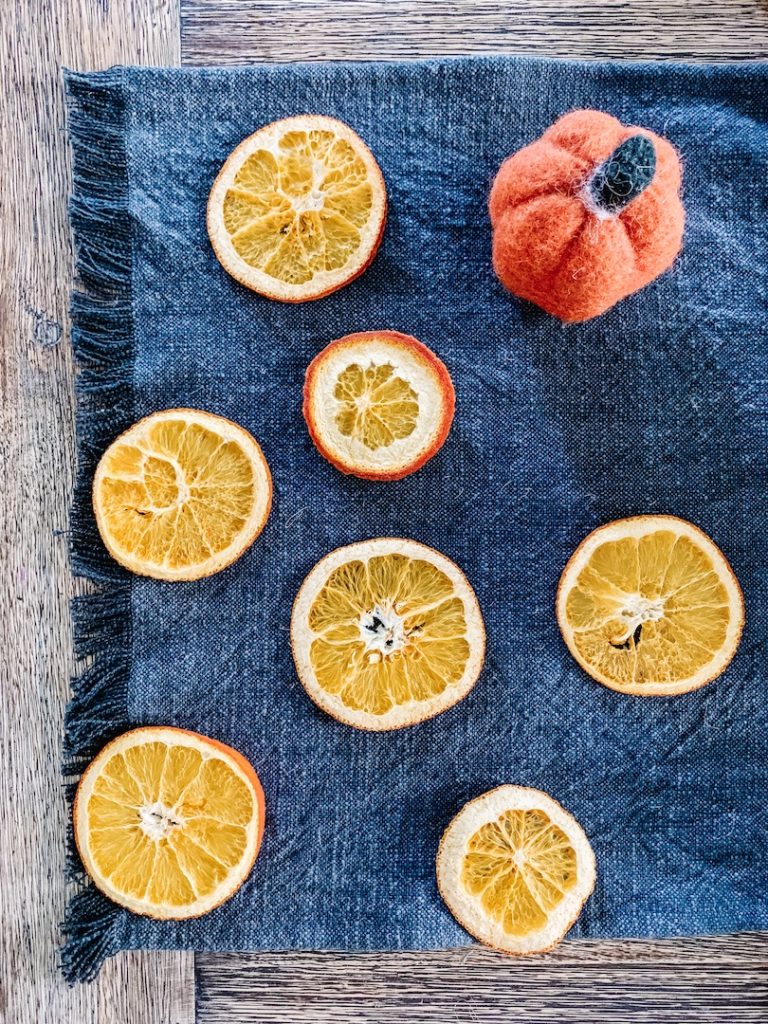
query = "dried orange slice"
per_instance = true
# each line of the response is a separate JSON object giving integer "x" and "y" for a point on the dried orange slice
{"x": 298, "y": 209}
{"x": 515, "y": 869}
{"x": 650, "y": 606}
{"x": 168, "y": 823}
{"x": 386, "y": 633}
{"x": 378, "y": 404}
{"x": 181, "y": 494}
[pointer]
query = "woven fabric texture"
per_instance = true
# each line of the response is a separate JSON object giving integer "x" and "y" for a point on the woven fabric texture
{"x": 657, "y": 406}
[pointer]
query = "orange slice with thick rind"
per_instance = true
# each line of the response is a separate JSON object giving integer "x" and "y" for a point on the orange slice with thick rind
{"x": 650, "y": 606}
{"x": 378, "y": 404}
{"x": 386, "y": 633}
{"x": 514, "y": 869}
{"x": 181, "y": 494}
{"x": 298, "y": 209}
{"x": 167, "y": 822}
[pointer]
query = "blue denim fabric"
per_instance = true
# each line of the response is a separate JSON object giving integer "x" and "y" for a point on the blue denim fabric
{"x": 657, "y": 406}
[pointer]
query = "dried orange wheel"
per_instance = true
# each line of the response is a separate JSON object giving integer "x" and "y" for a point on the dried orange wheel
{"x": 378, "y": 404}
{"x": 298, "y": 209}
{"x": 181, "y": 494}
{"x": 386, "y": 633}
{"x": 168, "y": 823}
{"x": 514, "y": 869}
{"x": 650, "y": 606}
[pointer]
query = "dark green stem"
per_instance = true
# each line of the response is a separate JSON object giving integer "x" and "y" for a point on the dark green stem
{"x": 626, "y": 173}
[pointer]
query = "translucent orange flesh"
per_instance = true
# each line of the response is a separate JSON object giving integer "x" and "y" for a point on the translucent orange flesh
{"x": 302, "y": 209}
{"x": 375, "y": 406}
{"x": 431, "y": 648}
{"x": 167, "y": 824}
{"x": 519, "y": 867}
{"x": 648, "y": 610}
{"x": 178, "y": 496}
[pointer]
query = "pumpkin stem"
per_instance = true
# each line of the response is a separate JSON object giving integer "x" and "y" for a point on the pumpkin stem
{"x": 626, "y": 173}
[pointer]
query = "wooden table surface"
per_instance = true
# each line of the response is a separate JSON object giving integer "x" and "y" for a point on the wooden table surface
{"x": 721, "y": 980}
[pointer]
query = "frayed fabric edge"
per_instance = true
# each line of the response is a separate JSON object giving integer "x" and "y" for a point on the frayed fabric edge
{"x": 103, "y": 344}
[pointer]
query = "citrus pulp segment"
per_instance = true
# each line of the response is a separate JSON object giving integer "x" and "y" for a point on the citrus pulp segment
{"x": 181, "y": 494}
{"x": 649, "y": 605}
{"x": 298, "y": 209}
{"x": 168, "y": 823}
{"x": 515, "y": 868}
{"x": 378, "y": 404}
{"x": 386, "y": 633}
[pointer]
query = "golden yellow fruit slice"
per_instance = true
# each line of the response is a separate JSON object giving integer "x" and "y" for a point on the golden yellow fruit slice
{"x": 514, "y": 869}
{"x": 298, "y": 209}
{"x": 386, "y": 633}
{"x": 168, "y": 823}
{"x": 378, "y": 404}
{"x": 181, "y": 494}
{"x": 650, "y": 606}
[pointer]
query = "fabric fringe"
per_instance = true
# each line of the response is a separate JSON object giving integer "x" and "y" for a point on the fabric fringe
{"x": 92, "y": 927}
{"x": 102, "y": 340}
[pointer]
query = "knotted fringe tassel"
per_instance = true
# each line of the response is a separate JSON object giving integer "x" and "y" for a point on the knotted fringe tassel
{"x": 92, "y": 927}
{"x": 102, "y": 339}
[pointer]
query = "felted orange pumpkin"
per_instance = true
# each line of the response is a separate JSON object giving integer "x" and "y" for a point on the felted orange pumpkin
{"x": 586, "y": 215}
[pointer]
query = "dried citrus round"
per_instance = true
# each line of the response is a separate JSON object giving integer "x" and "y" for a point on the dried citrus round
{"x": 514, "y": 869}
{"x": 168, "y": 823}
{"x": 298, "y": 209}
{"x": 378, "y": 404}
{"x": 386, "y": 633}
{"x": 181, "y": 494}
{"x": 649, "y": 605}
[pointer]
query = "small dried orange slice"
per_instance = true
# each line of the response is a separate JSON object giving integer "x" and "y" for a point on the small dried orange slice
{"x": 168, "y": 823}
{"x": 386, "y": 633}
{"x": 378, "y": 404}
{"x": 515, "y": 869}
{"x": 650, "y": 606}
{"x": 181, "y": 494}
{"x": 298, "y": 209}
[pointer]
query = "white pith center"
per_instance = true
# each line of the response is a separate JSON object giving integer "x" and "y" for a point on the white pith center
{"x": 518, "y": 858}
{"x": 182, "y": 490}
{"x": 382, "y": 631}
{"x": 636, "y": 612}
{"x": 158, "y": 821}
{"x": 313, "y": 200}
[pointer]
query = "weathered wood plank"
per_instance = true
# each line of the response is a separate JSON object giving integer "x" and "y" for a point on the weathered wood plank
{"x": 37, "y": 455}
{"x": 239, "y": 31}
{"x": 712, "y": 981}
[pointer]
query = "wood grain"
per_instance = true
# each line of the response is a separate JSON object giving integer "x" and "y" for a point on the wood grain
{"x": 37, "y": 459}
{"x": 240, "y": 31}
{"x": 719, "y": 980}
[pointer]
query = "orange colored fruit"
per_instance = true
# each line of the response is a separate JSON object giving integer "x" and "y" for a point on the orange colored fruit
{"x": 298, "y": 209}
{"x": 378, "y": 404}
{"x": 168, "y": 823}
{"x": 386, "y": 633}
{"x": 181, "y": 494}
{"x": 650, "y": 606}
{"x": 515, "y": 868}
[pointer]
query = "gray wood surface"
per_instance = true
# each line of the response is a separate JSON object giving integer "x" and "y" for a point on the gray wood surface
{"x": 719, "y": 980}
{"x": 37, "y": 457}
{"x": 238, "y": 31}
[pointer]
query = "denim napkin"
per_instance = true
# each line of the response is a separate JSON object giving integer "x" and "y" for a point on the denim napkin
{"x": 657, "y": 406}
